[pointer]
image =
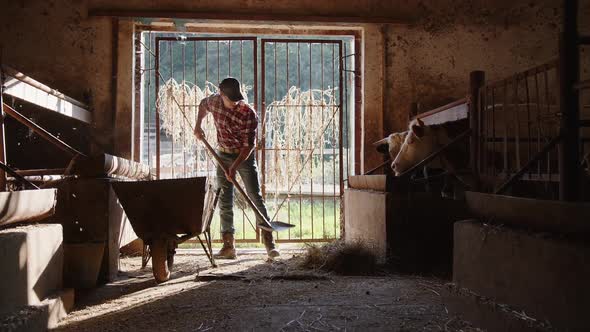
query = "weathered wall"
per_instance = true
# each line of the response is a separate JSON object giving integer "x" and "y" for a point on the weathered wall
{"x": 429, "y": 62}
{"x": 55, "y": 43}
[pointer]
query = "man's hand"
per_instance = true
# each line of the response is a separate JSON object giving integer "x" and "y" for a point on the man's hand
{"x": 199, "y": 133}
{"x": 230, "y": 174}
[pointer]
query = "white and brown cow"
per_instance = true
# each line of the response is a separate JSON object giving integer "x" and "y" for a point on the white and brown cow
{"x": 391, "y": 144}
{"x": 422, "y": 140}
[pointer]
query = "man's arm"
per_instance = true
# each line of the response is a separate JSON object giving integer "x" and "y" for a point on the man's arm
{"x": 244, "y": 154}
{"x": 200, "y": 116}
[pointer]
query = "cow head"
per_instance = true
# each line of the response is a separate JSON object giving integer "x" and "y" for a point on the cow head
{"x": 391, "y": 144}
{"x": 420, "y": 142}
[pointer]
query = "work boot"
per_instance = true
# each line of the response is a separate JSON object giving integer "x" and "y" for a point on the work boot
{"x": 228, "y": 251}
{"x": 269, "y": 244}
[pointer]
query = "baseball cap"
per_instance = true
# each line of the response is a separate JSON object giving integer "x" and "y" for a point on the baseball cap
{"x": 231, "y": 88}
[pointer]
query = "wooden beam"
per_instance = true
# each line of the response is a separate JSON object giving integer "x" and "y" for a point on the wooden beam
{"x": 569, "y": 75}
{"x": 457, "y": 110}
{"x": 232, "y": 16}
{"x": 25, "y": 88}
{"x": 2, "y": 136}
{"x": 476, "y": 82}
{"x": 27, "y": 205}
{"x": 123, "y": 139}
{"x": 42, "y": 171}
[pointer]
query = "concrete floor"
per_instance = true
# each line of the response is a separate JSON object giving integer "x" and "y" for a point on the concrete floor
{"x": 261, "y": 296}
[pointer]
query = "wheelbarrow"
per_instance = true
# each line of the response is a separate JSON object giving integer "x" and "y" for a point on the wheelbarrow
{"x": 165, "y": 213}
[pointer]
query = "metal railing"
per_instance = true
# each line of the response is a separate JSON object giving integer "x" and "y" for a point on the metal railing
{"x": 519, "y": 118}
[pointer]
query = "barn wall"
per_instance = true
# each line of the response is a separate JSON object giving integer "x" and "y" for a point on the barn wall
{"x": 54, "y": 42}
{"x": 429, "y": 62}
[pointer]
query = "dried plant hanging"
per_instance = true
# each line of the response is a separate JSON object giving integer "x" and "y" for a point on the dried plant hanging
{"x": 299, "y": 128}
{"x": 173, "y": 96}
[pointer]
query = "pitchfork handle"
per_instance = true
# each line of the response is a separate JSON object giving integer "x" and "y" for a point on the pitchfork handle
{"x": 236, "y": 184}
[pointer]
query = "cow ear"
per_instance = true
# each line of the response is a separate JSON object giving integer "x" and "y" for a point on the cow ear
{"x": 417, "y": 130}
{"x": 382, "y": 146}
{"x": 381, "y": 142}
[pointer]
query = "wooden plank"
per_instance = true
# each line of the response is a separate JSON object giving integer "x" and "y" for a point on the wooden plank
{"x": 124, "y": 102}
{"x": 569, "y": 100}
{"x": 236, "y": 16}
{"x": 43, "y": 171}
{"x": 369, "y": 182}
{"x": 2, "y": 136}
{"x": 24, "y": 88}
{"x": 454, "y": 111}
{"x": 27, "y": 205}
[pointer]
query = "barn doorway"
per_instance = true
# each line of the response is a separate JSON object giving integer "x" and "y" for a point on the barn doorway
{"x": 303, "y": 90}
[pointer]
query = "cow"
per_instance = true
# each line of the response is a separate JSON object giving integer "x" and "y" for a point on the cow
{"x": 391, "y": 144}
{"x": 422, "y": 140}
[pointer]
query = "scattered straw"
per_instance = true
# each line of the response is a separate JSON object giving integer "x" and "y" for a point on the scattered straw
{"x": 347, "y": 258}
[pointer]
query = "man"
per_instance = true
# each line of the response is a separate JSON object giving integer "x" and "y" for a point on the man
{"x": 236, "y": 124}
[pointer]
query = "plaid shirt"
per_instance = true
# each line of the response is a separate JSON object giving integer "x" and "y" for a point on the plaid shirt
{"x": 235, "y": 128}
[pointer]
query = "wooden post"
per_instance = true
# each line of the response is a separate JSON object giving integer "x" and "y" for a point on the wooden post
{"x": 2, "y": 136}
{"x": 476, "y": 81}
{"x": 569, "y": 75}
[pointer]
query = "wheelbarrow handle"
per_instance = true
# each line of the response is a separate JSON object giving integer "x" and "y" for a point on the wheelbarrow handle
{"x": 266, "y": 224}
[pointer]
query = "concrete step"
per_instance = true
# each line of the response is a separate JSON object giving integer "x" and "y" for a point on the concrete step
{"x": 489, "y": 315}
{"x": 58, "y": 306}
{"x": 40, "y": 317}
{"x": 544, "y": 275}
{"x": 32, "y": 264}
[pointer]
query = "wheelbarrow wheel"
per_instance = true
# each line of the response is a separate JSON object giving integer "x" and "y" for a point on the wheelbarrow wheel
{"x": 159, "y": 251}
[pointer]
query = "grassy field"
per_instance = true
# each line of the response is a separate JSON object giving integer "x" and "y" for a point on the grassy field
{"x": 321, "y": 222}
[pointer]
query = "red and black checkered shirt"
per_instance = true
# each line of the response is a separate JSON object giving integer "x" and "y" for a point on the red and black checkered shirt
{"x": 236, "y": 128}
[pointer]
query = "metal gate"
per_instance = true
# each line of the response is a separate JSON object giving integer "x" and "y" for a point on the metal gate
{"x": 302, "y": 158}
{"x": 300, "y": 150}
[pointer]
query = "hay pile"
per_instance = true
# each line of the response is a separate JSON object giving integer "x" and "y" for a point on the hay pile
{"x": 346, "y": 258}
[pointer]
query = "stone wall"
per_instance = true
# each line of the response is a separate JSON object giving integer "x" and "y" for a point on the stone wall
{"x": 429, "y": 62}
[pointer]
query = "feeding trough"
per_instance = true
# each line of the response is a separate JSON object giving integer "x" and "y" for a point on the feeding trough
{"x": 164, "y": 213}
